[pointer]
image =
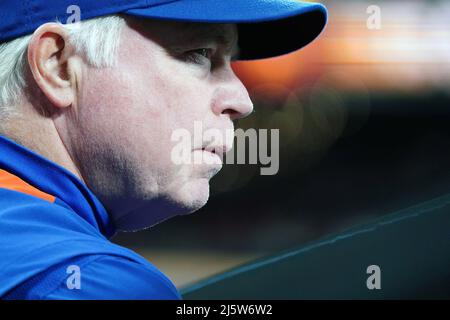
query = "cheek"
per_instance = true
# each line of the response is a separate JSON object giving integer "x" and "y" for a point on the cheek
{"x": 136, "y": 112}
{"x": 105, "y": 106}
{"x": 184, "y": 102}
{"x": 132, "y": 123}
{"x": 168, "y": 103}
{"x": 164, "y": 93}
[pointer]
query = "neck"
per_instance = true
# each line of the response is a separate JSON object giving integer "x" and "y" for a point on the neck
{"x": 40, "y": 135}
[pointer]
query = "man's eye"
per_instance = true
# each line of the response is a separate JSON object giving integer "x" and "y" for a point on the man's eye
{"x": 200, "y": 56}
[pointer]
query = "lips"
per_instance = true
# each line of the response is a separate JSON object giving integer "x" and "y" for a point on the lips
{"x": 208, "y": 156}
{"x": 219, "y": 150}
{"x": 216, "y": 140}
{"x": 213, "y": 151}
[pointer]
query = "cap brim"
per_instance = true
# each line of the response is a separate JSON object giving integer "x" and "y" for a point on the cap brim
{"x": 266, "y": 28}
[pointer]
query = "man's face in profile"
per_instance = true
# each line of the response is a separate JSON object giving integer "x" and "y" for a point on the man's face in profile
{"x": 168, "y": 76}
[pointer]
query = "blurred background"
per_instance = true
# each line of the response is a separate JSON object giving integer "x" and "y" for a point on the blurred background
{"x": 364, "y": 120}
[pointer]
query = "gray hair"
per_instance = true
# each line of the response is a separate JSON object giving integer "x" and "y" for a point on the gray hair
{"x": 96, "y": 40}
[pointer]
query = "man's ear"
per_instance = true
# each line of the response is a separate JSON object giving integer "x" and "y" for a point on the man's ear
{"x": 48, "y": 57}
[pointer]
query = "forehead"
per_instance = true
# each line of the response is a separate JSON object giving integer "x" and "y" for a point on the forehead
{"x": 176, "y": 33}
{"x": 219, "y": 32}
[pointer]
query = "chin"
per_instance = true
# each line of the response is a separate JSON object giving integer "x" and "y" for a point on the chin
{"x": 192, "y": 196}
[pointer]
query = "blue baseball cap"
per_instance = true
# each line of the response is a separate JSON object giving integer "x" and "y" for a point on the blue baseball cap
{"x": 266, "y": 28}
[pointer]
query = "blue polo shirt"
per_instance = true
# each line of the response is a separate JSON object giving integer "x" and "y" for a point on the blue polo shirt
{"x": 54, "y": 238}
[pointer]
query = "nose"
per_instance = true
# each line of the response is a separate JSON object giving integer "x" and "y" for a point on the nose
{"x": 232, "y": 99}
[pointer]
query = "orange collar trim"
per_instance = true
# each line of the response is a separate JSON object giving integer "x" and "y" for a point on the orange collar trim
{"x": 12, "y": 182}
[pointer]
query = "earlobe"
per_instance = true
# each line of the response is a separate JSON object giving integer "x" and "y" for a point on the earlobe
{"x": 48, "y": 58}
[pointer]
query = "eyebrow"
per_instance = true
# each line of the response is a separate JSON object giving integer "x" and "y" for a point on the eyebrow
{"x": 214, "y": 32}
